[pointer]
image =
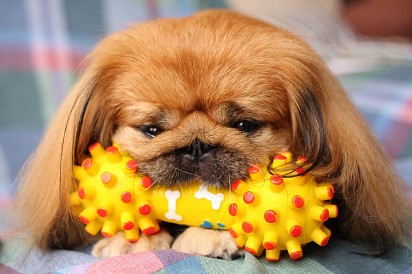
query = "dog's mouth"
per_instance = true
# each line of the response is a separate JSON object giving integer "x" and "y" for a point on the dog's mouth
{"x": 212, "y": 165}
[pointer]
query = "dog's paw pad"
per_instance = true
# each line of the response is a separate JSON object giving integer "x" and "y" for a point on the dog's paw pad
{"x": 111, "y": 247}
{"x": 118, "y": 245}
{"x": 208, "y": 243}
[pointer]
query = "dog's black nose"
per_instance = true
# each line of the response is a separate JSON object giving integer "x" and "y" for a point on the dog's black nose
{"x": 197, "y": 150}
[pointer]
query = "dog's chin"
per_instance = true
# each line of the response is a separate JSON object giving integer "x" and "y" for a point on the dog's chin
{"x": 218, "y": 169}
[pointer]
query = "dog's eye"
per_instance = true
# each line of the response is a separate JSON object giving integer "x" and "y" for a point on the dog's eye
{"x": 246, "y": 126}
{"x": 151, "y": 130}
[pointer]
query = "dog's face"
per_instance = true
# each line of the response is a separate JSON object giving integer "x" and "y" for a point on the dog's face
{"x": 202, "y": 106}
{"x": 200, "y": 115}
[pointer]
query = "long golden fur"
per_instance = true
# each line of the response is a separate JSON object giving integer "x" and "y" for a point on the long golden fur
{"x": 198, "y": 79}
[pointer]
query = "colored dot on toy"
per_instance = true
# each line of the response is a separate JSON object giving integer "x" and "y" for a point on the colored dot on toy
{"x": 128, "y": 225}
{"x": 150, "y": 230}
{"x": 280, "y": 157}
{"x": 269, "y": 245}
{"x": 270, "y": 216}
{"x": 94, "y": 146}
{"x": 106, "y": 177}
{"x": 325, "y": 241}
{"x": 146, "y": 182}
{"x": 111, "y": 149}
{"x": 82, "y": 193}
{"x": 107, "y": 234}
{"x": 145, "y": 209}
{"x": 132, "y": 165}
{"x": 233, "y": 233}
{"x": 255, "y": 172}
{"x": 300, "y": 170}
{"x": 331, "y": 192}
{"x": 84, "y": 220}
{"x": 87, "y": 163}
{"x": 254, "y": 169}
{"x": 276, "y": 179}
{"x": 102, "y": 212}
{"x": 233, "y": 209}
{"x": 126, "y": 197}
{"x": 248, "y": 197}
{"x": 247, "y": 227}
{"x": 220, "y": 225}
{"x": 298, "y": 201}
{"x": 302, "y": 159}
{"x": 206, "y": 224}
{"x": 250, "y": 250}
{"x": 236, "y": 184}
{"x": 324, "y": 215}
{"x": 295, "y": 231}
{"x": 296, "y": 255}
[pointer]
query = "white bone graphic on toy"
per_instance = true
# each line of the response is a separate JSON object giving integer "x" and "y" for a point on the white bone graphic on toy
{"x": 215, "y": 199}
{"x": 172, "y": 196}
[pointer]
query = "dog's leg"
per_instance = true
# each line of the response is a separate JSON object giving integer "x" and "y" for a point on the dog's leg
{"x": 207, "y": 242}
{"x": 117, "y": 245}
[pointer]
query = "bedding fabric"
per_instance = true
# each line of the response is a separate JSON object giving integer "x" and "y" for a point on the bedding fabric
{"x": 42, "y": 43}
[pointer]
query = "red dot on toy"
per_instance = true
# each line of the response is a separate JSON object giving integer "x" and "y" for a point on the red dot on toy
{"x": 300, "y": 170}
{"x": 324, "y": 215}
{"x": 84, "y": 220}
{"x": 146, "y": 182}
{"x": 331, "y": 192}
{"x": 302, "y": 159}
{"x": 150, "y": 230}
{"x": 82, "y": 193}
{"x": 102, "y": 212}
{"x": 132, "y": 165}
{"x": 128, "y": 225}
{"x": 106, "y": 177}
{"x": 250, "y": 250}
{"x": 94, "y": 146}
{"x": 236, "y": 184}
{"x": 269, "y": 245}
{"x": 325, "y": 241}
{"x": 107, "y": 235}
{"x": 296, "y": 255}
{"x": 247, "y": 227}
{"x": 233, "y": 233}
{"x": 295, "y": 231}
{"x": 280, "y": 157}
{"x": 112, "y": 150}
{"x": 270, "y": 216}
{"x": 126, "y": 197}
{"x": 298, "y": 201}
{"x": 248, "y": 197}
{"x": 145, "y": 209}
{"x": 233, "y": 209}
{"x": 276, "y": 179}
{"x": 87, "y": 163}
{"x": 254, "y": 169}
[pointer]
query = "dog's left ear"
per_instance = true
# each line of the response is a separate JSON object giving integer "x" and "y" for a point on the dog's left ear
{"x": 330, "y": 132}
{"x": 41, "y": 202}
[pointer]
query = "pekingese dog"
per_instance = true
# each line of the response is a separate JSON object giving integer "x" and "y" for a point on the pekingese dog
{"x": 201, "y": 98}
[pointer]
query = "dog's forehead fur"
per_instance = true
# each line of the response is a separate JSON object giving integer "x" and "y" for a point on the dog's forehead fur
{"x": 192, "y": 69}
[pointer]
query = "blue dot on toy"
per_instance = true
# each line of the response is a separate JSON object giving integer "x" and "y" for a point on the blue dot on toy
{"x": 206, "y": 224}
{"x": 221, "y": 226}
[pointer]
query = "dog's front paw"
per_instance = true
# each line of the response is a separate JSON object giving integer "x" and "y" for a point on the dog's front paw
{"x": 207, "y": 242}
{"x": 117, "y": 245}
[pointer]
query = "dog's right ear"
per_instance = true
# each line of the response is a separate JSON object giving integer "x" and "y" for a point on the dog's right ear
{"x": 41, "y": 202}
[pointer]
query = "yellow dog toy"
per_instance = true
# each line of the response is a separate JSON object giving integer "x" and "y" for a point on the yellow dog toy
{"x": 268, "y": 211}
